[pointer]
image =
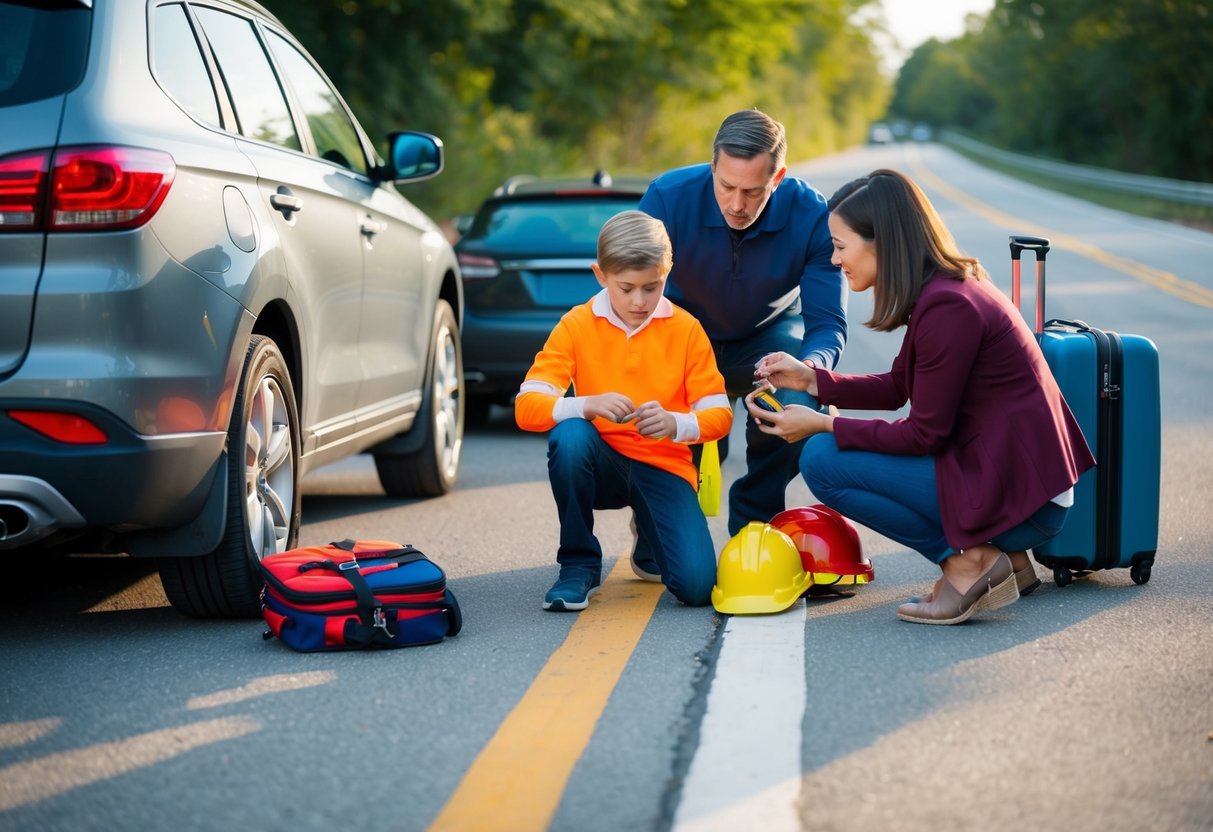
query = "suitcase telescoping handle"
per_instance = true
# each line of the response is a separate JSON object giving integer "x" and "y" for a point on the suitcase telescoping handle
{"x": 1040, "y": 247}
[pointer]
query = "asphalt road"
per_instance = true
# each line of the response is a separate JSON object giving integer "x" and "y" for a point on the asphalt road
{"x": 1083, "y": 708}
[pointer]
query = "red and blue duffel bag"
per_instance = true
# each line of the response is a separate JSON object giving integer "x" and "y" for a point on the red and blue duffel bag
{"x": 354, "y": 594}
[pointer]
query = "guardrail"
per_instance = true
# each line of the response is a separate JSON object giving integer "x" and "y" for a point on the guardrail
{"x": 1175, "y": 190}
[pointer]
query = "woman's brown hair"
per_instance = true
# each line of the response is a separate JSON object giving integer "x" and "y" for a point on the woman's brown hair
{"x": 912, "y": 243}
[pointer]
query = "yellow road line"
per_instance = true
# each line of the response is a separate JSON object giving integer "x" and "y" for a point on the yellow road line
{"x": 1166, "y": 281}
{"x": 517, "y": 780}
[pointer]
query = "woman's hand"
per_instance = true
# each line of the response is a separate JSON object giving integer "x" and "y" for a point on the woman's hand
{"x": 654, "y": 421}
{"x": 785, "y": 372}
{"x": 614, "y": 406}
{"x": 793, "y": 423}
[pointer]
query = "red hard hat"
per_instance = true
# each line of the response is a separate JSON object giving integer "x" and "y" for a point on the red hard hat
{"x": 828, "y": 544}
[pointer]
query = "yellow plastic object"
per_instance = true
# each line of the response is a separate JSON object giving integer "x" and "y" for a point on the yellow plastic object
{"x": 767, "y": 401}
{"x": 709, "y": 479}
{"x": 759, "y": 571}
{"x": 830, "y": 578}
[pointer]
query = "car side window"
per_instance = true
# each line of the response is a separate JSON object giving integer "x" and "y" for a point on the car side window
{"x": 179, "y": 66}
{"x": 333, "y": 132}
{"x": 260, "y": 104}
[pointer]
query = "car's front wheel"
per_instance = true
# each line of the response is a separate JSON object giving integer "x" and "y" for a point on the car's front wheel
{"x": 431, "y": 469}
{"x": 263, "y": 509}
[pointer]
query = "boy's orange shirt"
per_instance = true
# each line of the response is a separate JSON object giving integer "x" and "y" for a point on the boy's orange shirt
{"x": 669, "y": 360}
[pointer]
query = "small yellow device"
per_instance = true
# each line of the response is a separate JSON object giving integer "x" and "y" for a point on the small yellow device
{"x": 709, "y": 480}
{"x": 767, "y": 401}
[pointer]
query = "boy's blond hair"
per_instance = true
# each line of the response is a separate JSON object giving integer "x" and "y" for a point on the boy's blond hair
{"x": 634, "y": 240}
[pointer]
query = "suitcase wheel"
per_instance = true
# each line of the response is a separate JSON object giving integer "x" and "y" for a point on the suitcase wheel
{"x": 1062, "y": 576}
{"x": 1140, "y": 572}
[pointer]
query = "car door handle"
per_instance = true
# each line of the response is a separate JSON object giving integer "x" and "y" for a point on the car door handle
{"x": 285, "y": 201}
{"x": 370, "y": 227}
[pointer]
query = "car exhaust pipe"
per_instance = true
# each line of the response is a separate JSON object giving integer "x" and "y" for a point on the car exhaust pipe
{"x": 30, "y": 510}
{"x": 15, "y": 520}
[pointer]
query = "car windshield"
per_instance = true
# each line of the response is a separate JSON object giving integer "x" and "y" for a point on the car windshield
{"x": 547, "y": 224}
{"x": 42, "y": 50}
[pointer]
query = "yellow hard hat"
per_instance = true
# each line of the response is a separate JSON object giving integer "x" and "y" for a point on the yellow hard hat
{"x": 760, "y": 571}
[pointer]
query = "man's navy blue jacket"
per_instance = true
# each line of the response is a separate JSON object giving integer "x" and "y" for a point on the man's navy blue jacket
{"x": 736, "y": 283}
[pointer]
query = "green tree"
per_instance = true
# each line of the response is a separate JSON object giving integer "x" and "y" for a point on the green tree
{"x": 942, "y": 84}
{"x": 1126, "y": 84}
{"x": 567, "y": 86}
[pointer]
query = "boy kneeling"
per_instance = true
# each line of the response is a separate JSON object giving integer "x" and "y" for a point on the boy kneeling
{"x": 646, "y": 388}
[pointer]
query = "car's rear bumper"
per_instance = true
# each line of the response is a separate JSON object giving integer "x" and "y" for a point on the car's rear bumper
{"x": 130, "y": 482}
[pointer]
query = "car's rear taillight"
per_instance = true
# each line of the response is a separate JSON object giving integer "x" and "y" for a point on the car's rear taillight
{"x": 62, "y": 427}
{"x": 106, "y": 188}
{"x": 83, "y": 188}
{"x": 475, "y": 267}
{"x": 22, "y": 191}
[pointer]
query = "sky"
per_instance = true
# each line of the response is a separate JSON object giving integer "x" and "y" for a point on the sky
{"x": 914, "y": 21}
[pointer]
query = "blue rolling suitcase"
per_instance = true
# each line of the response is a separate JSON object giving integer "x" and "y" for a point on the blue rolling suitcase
{"x": 1110, "y": 382}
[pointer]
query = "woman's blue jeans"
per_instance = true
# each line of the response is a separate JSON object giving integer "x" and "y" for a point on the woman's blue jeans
{"x": 897, "y": 497}
{"x": 587, "y": 474}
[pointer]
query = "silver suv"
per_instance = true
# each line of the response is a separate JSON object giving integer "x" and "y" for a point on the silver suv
{"x": 209, "y": 285}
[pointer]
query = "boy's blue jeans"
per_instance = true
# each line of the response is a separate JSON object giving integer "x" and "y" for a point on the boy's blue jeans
{"x": 896, "y": 496}
{"x": 587, "y": 474}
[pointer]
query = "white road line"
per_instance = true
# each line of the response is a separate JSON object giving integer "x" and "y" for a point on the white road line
{"x": 262, "y": 686}
{"x": 746, "y": 773}
{"x": 30, "y": 781}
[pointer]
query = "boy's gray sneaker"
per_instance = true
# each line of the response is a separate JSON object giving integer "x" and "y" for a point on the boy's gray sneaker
{"x": 572, "y": 591}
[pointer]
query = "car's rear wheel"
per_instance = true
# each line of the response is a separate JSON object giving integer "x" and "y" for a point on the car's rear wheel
{"x": 263, "y": 510}
{"x": 431, "y": 470}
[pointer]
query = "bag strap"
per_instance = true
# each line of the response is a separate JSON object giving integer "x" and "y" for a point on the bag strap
{"x": 405, "y": 554}
{"x": 370, "y": 611}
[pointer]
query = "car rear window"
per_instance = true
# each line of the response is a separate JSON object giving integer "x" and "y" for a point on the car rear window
{"x": 556, "y": 223}
{"x": 43, "y": 50}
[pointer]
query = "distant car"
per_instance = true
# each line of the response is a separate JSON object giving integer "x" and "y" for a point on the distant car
{"x": 525, "y": 257}
{"x": 920, "y": 132}
{"x": 880, "y": 134}
{"x": 209, "y": 285}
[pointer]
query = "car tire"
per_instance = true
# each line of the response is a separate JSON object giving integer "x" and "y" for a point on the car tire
{"x": 263, "y": 499}
{"x": 431, "y": 470}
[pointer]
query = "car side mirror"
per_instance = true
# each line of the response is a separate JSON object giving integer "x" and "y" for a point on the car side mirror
{"x": 412, "y": 157}
{"x": 463, "y": 223}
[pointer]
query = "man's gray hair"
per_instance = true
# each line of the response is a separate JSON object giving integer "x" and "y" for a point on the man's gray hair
{"x": 747, "y": 133}
{"x": 633, "y": 240}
